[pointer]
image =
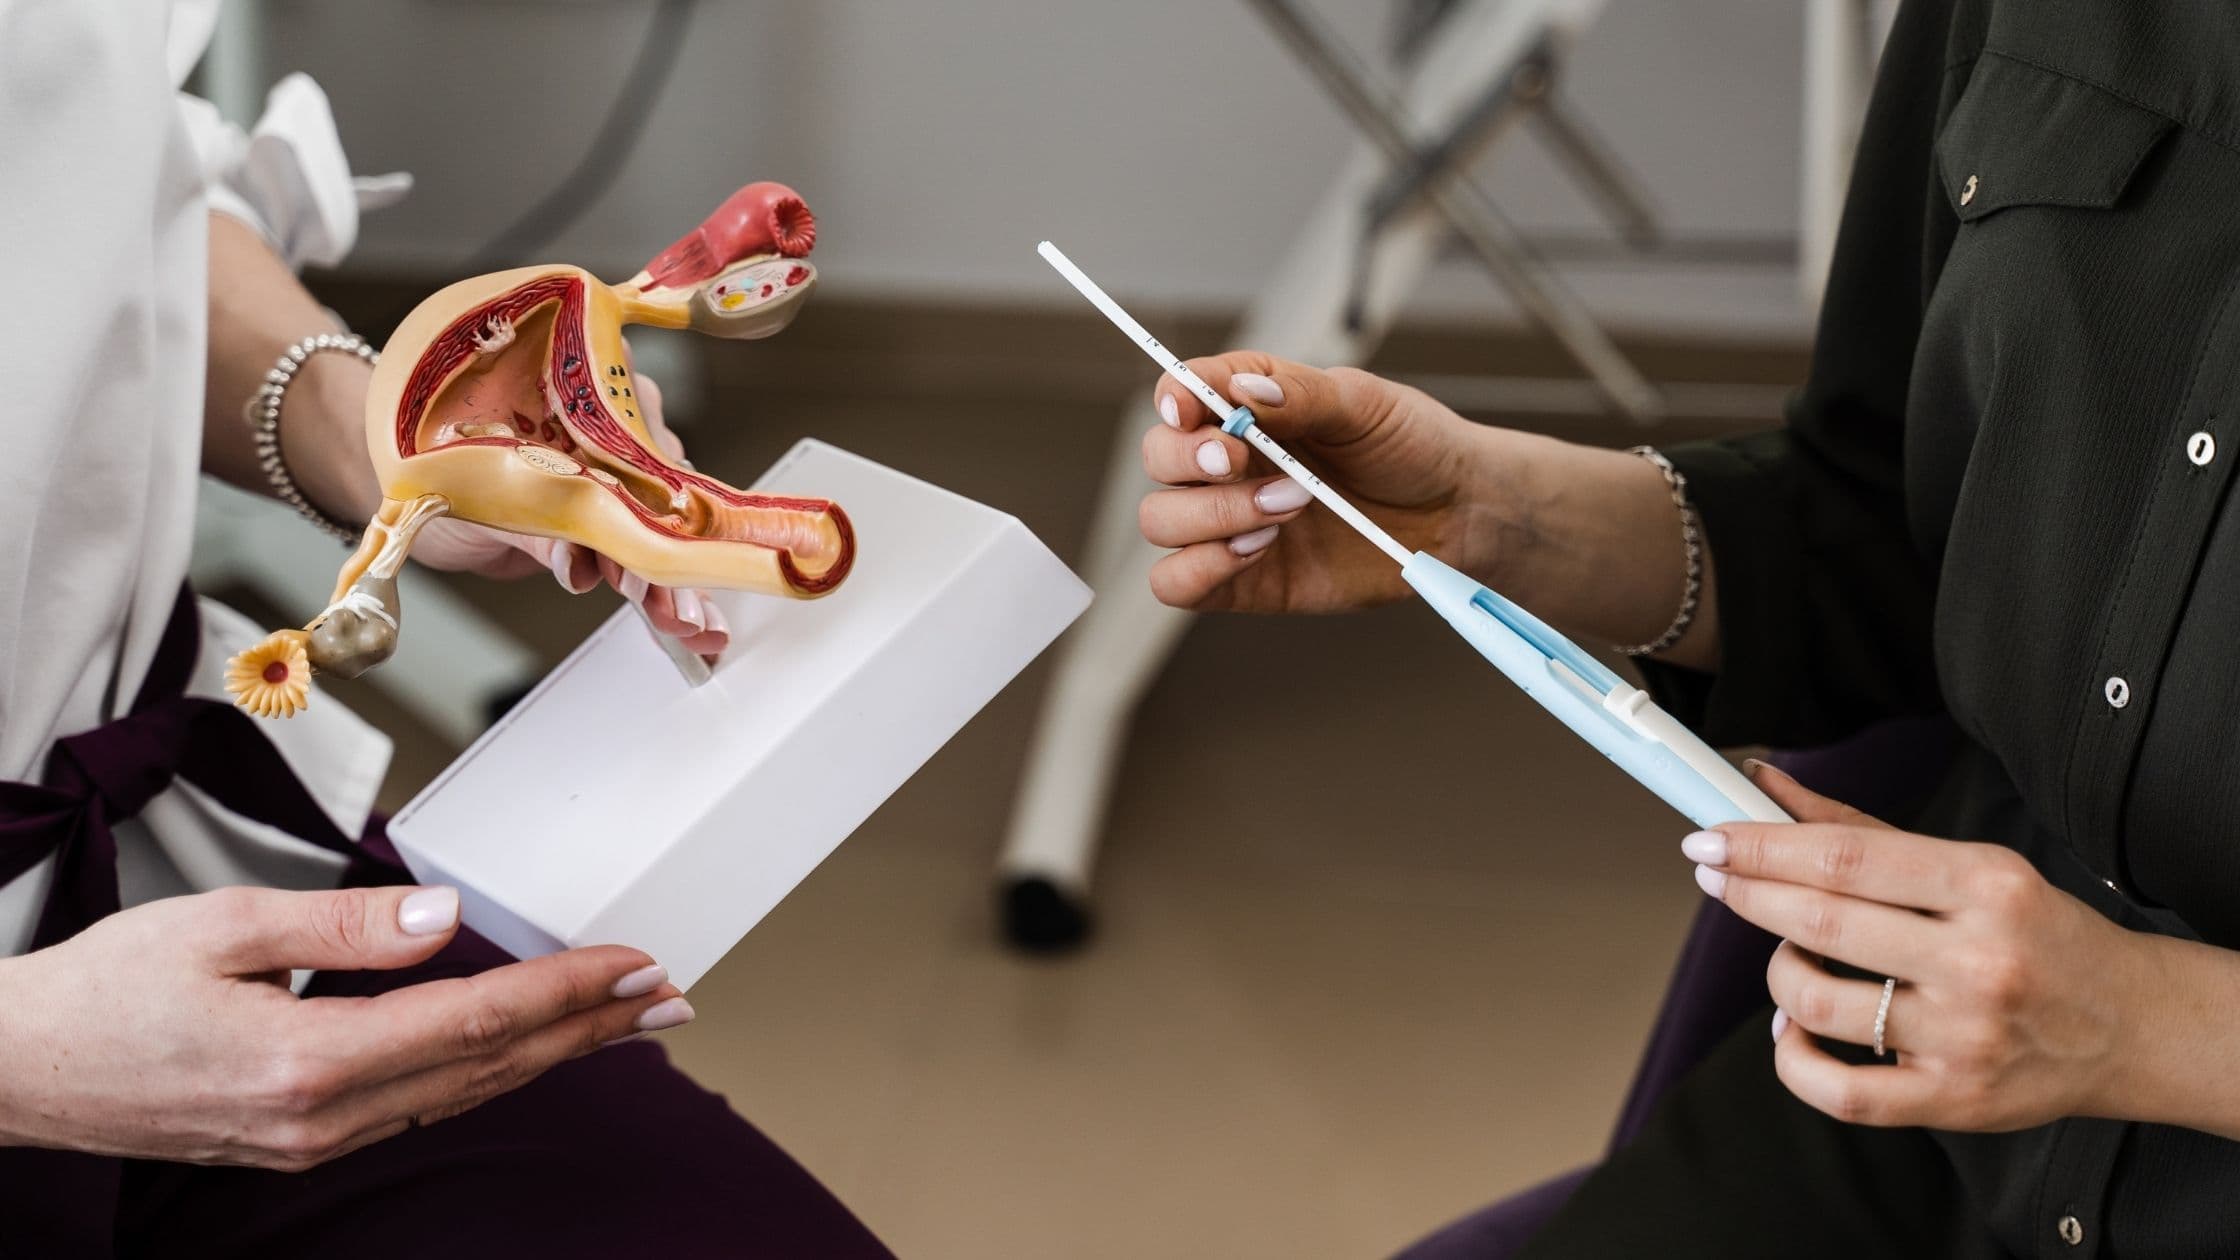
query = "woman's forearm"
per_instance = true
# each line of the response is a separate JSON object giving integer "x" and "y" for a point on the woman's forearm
{"x": 1592, "y": 543}
{"x": 257, "y": 310}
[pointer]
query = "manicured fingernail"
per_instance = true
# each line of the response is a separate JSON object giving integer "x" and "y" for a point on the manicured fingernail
{"x": 1780, "y": 1022}
{"x": 686, "y": 604}
{"x": 1278, "y": 497}
{"x": 1757, "y": 769}
{"x": 429, "y": 911}
{"x": 564, "y": 568}
{"x": 1712, "y": 881}
{"x": 623, "y": 1041}
{"x": 1707, "y": 847}
{"x": 1213, "y": 459}
{"x": 711, "y": 617}
{"x": 1169, "y": 412}
{"x": 642, "y": 981}
{"x": 667, "y": 1014}
{"x": 1258, "y": 388}
{"x": 1254, "y": 542}
{"x": 633, "y": 587}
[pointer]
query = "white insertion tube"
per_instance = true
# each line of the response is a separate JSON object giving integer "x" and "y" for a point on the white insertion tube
{"x": 1238, "y": 420}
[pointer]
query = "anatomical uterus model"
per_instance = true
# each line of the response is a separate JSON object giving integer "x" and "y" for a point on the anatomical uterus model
{"x": 507, "y": 400}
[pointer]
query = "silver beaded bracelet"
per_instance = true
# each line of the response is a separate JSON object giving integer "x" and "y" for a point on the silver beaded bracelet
{"x": 1691, "y": 534}
{"x": 263, "y": 411}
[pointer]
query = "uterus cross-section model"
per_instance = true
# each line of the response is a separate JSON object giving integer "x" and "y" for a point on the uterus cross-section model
{"x": 507, "y": 400}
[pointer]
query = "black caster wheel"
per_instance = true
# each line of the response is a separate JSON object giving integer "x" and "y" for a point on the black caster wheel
{"x": 1041, "y": 918}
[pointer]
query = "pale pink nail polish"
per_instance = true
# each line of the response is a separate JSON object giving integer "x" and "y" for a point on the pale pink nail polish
{"x": 1713, "y": 882}
{"x": 667, "y": 1014}
{"x": 633, "y": 588}
{"x": 642, "y": 981}
{"x": 1707, "y": 847}
{"x": 686, "y": 604}
{"x": 1780, "y": 1022}
{"x": 428, "y": 912}
{"x": 1253, "y": 543}
{"x": 1258, "y": 388}
{"x": 1213, "y": 459}
{"x": 623, "y": 1041}
{"x": 564, "y": 568}
{"x": 712, "y": 618}
{"x": 1169, "y": 412}
{"x": 1279, "y": 497}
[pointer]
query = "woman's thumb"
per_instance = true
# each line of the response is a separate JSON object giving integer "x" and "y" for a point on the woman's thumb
{"x": 349, "y": 929}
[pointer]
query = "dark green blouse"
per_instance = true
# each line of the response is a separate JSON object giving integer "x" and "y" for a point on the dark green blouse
{"x": 2003, "y": 495}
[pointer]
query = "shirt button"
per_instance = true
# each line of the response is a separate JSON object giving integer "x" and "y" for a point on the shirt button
{"x": 1968, "y": 192}
{"x": 2201, "y": 448}
{"x": 2118, "y": 693}
{"x": 2071, "y": 1230}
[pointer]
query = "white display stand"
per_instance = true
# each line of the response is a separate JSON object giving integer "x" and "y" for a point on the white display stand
{"x": 617, "y": 804}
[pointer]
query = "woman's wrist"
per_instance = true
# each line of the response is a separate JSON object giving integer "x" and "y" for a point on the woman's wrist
{"x": 322, "y": 437}
{"x": 2177, "y": 1063}
{"x": 1591, "y": 541}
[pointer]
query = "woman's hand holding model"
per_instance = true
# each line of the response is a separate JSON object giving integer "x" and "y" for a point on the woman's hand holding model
{"x": 258, "y": 308}
{"x": 2016, "y": 1003}
{"x": 168, "y": 1031}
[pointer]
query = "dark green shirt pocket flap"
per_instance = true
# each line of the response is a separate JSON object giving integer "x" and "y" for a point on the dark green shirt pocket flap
{"x": 2021, "y": 135}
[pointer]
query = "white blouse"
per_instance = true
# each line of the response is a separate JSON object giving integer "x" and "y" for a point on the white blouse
{"x": 109, "y": 180}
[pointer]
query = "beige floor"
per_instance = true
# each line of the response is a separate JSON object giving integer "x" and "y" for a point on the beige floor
{"x": 1379, "y": 941}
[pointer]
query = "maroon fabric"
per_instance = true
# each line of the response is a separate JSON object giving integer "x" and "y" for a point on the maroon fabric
{"x": 102, "y": 776}
{"x": 614, "y": 1154}
{"x": 1502, "y": 1230}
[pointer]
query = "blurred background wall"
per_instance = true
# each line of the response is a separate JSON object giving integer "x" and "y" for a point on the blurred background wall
{"x": 1169, "y": 144}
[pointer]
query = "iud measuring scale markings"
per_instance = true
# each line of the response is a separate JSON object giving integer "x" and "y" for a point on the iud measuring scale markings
{"x": 1603, "y": 709}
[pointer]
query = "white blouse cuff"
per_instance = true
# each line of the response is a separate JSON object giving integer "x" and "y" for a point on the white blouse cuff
{"x": 287, "y": 177}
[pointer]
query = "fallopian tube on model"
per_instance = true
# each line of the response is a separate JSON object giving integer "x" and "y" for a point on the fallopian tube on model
{"x": 507, "y": 400}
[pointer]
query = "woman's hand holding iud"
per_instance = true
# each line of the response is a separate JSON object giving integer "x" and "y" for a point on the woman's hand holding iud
{"x": 2016, "y": 1003}
{"x": 1243, "y": 537}
{"x": 1587, "y": 538}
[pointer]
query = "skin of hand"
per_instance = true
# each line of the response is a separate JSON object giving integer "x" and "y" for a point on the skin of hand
{"x": 2016, "y": 1004}
{"x": 1244, "y": 538}
{"x": 168, "y": 1031}
{"x": 1522, "y": 513}
{"x": 258, "y": 309}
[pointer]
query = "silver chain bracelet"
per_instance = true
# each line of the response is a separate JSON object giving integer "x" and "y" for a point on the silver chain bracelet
{"x": 263, "y": 411}
{"x": 1691, "y": 534}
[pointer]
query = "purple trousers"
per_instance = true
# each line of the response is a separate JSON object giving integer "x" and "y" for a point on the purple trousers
{"x": 615, "y": 1154}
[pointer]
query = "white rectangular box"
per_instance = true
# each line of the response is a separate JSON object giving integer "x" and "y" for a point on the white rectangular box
{"x": 618, "y": 805}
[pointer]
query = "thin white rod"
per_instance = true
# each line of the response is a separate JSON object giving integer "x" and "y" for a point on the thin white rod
{"x": 1220, "y": 407}
{"x": 1323, "y": 494}
{"x": 1136, "y": 332}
